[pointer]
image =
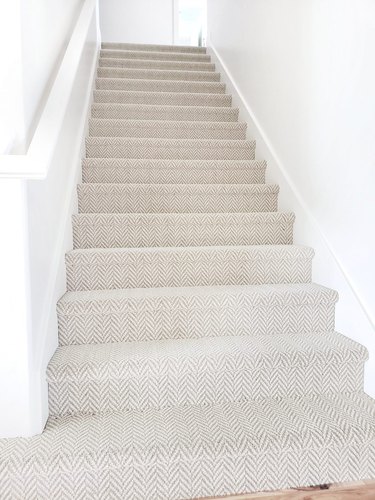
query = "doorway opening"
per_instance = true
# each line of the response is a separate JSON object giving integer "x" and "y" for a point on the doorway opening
{"x": 190, "y": 22}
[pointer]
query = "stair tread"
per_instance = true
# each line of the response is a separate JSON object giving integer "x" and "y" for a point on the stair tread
{"x": 114, "y": 127}
{"x": 152, "y": 55}
{"x": 204, "y": 354}
{"x": 152, "y": 47}
{"x": 179, "y": 188}
{"x": 173, "y": 73}
{"x": 155, "y": 63}
{"x": 174, "y": 112}
{"x": 175, "y": 86}
{"x": 151, "y": 171}
{"x": 124, "y": 315}
{"x": 141, "y": 229}
{"x": 257, "y": 251}
{"x": 177, "y": 198}
{"x": 176, "y": 439}
{"x": 156, "y": 74}
{"x": 182, "y": 219}
{"x": 112, "y": 122}
{"x": 105, "y": 268}
{"x": 99, "y": 96}
{"x": 170, "y": 107}
{"x": 175, "y": 143}
{"x": 161, "y": 148}
{"x": 300, "y": 293}
{"x": 173, "y": 164}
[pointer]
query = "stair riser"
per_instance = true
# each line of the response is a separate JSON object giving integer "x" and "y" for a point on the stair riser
{"x": 160, "y": 56}
{"x": 179, "y": 233}
{"x": 140, "y": 74}
{"x": 91, "y": 200}
{"x": 181, "y": 113}
{"x": 164, "y": 318}
{"x": 164, "y": 132}
{"x": 95, "y": 173}
{"x": 165, "y": 384}
{"x": 159, "y": 86}
{"x": 114, "y": 270}
{"x": 154, "y": 48}
{"x": 162, "y": 98}
{"x": 94, "y": 150}
{"x": 142, "y": 64}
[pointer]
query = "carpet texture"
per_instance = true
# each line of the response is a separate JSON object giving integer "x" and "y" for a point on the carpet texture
{"x": 195, "y": 357}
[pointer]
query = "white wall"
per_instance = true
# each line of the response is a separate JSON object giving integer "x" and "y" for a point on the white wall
{"x": 10, "y": 74}
{"x": 37, "y": 34}
{"x": 138, "y": 21}
{"x": 15, "y": 316}
{"x": 35, "y": 222}
{"x": 306, "y": 75}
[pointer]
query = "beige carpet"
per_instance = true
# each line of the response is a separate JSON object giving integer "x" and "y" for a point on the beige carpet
{"x": 196, "y": 357}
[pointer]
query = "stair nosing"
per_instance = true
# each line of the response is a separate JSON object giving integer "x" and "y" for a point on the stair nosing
{"x": 305, "y": 251}
{"x": 184, "y": 55}
{"x": 163, "y": 107}
{"x": 168, "y": 123}
{"x": 259, "y": 164}
{"x": 258, "y": 292}
{"x": 241, "y": 347}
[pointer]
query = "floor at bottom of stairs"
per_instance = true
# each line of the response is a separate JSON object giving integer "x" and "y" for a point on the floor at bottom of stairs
{"x": 362, "y": 490}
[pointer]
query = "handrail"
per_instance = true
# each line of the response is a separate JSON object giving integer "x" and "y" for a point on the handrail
{"x": 35, "y": 163}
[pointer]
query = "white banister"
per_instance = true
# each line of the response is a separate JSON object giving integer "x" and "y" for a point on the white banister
{"x": 35, "y": 163}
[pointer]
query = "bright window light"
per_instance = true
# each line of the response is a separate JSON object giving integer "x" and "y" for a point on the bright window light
{"x": 191, "y": 22}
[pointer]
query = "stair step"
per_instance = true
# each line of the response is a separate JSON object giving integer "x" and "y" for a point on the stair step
{"x": 117, "y": 170}
{"x": 104, "y": 269}
{"x": 162, "y": 98}
{"x": 129, "y": 315}
{"x": 193, "y": 451}
{"x": 160, "y": 86}
{"x": 178, "y": 198}
{"x": 153, "y": 55}
{"x": 159, "y": 74}
{"x": 112, "y": 62}
{"x": 169, "y": 149}
{"x": 135, "y": 230}
{"x": 166, "y": 129}
{"x": 205, "y": 371}
{"x": 153, "y": 47}
{"x": 163, "y": 112}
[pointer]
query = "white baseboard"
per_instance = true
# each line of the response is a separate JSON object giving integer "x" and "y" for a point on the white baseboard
{"x": 352, "y": 317}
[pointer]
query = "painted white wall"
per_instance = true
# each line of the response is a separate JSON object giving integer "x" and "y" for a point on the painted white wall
{"x": 10, "y": 74}
{"x": 140, "y": 21}
{"x": 34, "y": 35}
{"x": 35, "y": 222}
{"x": 304, "y": 77}
{"x": 15, "y": 317}
{"x": 46, "y": 26}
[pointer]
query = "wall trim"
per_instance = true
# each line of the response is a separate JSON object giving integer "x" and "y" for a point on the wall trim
{"x": 291, "y": 184}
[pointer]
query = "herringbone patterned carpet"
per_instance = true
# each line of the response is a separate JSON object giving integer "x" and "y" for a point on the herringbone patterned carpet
{"x": 196, "y": 357}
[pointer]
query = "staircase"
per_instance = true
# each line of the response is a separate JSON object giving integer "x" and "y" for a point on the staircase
{"x": 196, "y": 357}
